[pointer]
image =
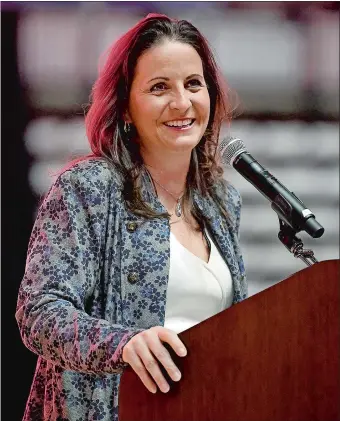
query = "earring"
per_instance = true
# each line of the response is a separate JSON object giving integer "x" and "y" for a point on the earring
{"x": 126, "y": 127}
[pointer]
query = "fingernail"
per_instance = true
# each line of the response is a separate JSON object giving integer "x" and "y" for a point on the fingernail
{"x": 183, "y": 351}
{"x": 166, "y": 389}
{"x": 177, "y": 376}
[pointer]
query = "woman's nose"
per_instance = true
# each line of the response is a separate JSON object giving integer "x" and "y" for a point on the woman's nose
{"x": 180, "y": 102}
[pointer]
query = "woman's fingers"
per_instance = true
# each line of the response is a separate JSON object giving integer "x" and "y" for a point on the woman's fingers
{"x": 144, "y": 351}
{"x": 163, "y": 356}
{"x": 151, "y": 364}
{"x": 173, "y": 340}
{"x": 139, "y": 368}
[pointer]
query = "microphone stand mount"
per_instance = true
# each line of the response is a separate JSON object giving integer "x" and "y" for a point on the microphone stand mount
{"x": 294, "y": 245}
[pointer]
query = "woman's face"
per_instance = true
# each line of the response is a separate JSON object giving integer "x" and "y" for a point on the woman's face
{"x": 169, "y": 101}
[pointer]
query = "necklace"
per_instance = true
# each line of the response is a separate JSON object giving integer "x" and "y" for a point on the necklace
{"x": 178, "y": 208}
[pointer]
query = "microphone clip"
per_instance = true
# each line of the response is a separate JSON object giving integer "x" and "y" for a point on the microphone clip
{"x": 288, "y": 238}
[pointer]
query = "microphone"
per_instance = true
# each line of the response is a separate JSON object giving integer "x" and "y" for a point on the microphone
{"x": 288, "y": 207}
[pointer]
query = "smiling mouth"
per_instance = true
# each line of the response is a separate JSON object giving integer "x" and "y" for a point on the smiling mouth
{"x": 180, "y": 124}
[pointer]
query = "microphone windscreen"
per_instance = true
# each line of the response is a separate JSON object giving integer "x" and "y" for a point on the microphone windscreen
{"x": 230, "y": 148}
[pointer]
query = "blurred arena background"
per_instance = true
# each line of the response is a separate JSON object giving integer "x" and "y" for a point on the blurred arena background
{"x": 282, "y": 60}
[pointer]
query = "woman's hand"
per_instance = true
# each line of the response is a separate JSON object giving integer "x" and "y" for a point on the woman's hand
{"x": 140, "y": 353}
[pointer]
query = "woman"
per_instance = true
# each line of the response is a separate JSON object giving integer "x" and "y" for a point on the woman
{"x": 102, "y": 289}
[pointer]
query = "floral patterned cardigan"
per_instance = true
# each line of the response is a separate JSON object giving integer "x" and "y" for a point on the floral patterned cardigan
{"x": 96, "y": 275}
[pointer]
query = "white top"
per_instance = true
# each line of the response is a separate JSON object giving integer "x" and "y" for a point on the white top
{"x": 196, "y": 290}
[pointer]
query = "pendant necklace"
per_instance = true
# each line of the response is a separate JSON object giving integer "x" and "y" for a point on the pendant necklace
{"x": 178, "y": 208}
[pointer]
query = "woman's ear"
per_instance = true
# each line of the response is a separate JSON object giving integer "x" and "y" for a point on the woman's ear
{"x": 127, "y": 117}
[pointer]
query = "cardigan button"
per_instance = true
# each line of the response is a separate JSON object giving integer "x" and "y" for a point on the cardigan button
{"x": 133, "y": 277}
{"x": 131, "y": 226}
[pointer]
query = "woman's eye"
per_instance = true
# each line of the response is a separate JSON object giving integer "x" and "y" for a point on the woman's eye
{"x": 161, "y": 86}
{"x": 158, "y": 87}
{"x": 194, "y": 83}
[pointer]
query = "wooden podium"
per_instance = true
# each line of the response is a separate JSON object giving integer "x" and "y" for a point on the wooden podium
{"x": 272, "y": 357}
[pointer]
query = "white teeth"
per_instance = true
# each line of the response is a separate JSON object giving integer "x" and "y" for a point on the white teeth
{"x": 179, "y": 123}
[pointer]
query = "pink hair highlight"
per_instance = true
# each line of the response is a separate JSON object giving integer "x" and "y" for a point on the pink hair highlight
{"x": 104, "y": 95}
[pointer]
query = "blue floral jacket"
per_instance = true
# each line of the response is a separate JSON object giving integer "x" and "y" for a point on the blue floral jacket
{"x": 96, "y": 275}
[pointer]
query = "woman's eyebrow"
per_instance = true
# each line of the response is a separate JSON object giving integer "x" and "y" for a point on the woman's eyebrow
{"x": 158, "y": 77}
{"x": 194, "y": 75}
{"x": 166, "y": 78}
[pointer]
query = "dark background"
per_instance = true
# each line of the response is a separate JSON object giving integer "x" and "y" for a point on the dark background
{"x": 17, "y": 208}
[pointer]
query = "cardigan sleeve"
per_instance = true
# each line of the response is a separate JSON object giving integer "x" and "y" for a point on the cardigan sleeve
{"x": 238, "y": 206}
{"x": 63, "y": 266}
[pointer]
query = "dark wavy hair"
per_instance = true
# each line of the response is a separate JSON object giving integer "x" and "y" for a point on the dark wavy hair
{"x": 109, "y": 101}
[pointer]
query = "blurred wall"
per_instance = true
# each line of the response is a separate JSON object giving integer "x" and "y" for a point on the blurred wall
{"x": 282, "y": 59}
